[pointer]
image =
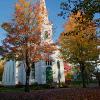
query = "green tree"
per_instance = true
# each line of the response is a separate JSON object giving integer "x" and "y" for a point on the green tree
{"x": 79, "y": 42}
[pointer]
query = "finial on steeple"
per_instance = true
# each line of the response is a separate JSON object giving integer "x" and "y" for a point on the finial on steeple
{"x": 43, "y": 4}
{"x": 43, "y": 1}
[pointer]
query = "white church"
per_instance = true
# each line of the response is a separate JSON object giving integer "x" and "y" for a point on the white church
{"x": 41, "y": 72}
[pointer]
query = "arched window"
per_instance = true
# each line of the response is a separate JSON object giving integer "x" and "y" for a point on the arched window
{"x": 46, "y": 35}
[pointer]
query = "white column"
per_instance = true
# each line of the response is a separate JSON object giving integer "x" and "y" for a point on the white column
{"x": 40, "y": 72}
{"x": 9, "y": 73}
{"x": 21, "y": 73}
{"x": 55, "y": 67}
{"x": 43, "y": 72}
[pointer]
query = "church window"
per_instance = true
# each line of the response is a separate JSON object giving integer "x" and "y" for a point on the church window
{"x": 48, "y": 62}
{"x": 46, "y": 35}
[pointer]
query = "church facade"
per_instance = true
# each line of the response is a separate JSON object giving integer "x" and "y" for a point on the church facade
{"x": 42, "y": 72}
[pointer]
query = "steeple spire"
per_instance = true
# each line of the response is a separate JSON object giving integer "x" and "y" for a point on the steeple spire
{"x": 44, "y": 10}
{"x": 46, "y": 27}
{"x": 43, "y": 3}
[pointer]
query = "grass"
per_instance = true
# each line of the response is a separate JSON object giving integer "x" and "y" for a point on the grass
{"x": 78, "y": 83}
{"x": 21, "y": 88}
{"x": 72, "y": 84}
{"x": 11, "y": 89}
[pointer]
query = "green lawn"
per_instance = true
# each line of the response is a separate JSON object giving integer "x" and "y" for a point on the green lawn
{"x": 11, "y": 89}
{"x": 72, "y": 84}
{"x": 21, "y": 88}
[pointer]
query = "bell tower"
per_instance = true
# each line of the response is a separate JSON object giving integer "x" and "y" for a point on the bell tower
{"x": 46, "y": 29}
{"x": 47, "y": 26}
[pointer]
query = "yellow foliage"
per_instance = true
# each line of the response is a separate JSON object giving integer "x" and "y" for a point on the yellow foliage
{"x": 26, "y": 4}
{"x": 1, "y": 66}
{"x": 78, "y": 41}
{"x": 22, "y": 1}
{"x": 17, "y": 6}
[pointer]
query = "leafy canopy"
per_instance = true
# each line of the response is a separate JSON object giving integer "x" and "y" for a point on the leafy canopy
{"x": 24, "y": 39}
{"x": 78, "y": 41}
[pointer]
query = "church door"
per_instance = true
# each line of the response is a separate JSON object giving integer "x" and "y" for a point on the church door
{"x": 49, "y": 75}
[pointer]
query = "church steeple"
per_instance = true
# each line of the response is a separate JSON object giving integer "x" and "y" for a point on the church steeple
{"x": 44, "y": 10}
{"x": 42, "y": 2}
{"x": 46, "y": 25}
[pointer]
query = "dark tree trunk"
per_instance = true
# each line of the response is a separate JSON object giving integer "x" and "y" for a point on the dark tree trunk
{"x": 82, "y": 68}
{"x": 98, "y": 78}
{"x": 99, "y": 82}
{"x": 27, "y": 89}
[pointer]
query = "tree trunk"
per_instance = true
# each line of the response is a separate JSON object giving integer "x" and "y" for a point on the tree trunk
{"x": 27, "y": 89}
{"x": 99, "y": 82}
{"x": 82, "y": 67}
{"x": 98, "y": 78}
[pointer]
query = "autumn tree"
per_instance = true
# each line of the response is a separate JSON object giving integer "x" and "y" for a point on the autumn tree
{"x": 24, "y": 41}
{"x": 79, "y": 43}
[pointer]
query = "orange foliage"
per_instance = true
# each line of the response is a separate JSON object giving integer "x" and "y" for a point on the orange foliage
{"x": 25, "y": 32}
{"x": 78, "y": 41}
